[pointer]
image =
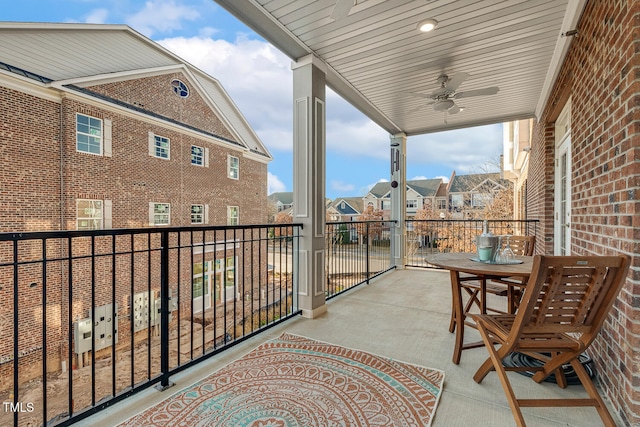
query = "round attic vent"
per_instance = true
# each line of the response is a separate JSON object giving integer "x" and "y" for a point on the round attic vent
{"x": 180, "y": 88}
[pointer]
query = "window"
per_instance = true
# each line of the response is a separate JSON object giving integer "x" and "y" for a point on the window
{"x": 161, "y": 147}
{"x": 480, "y": 199}
{"x": 88, "y": 134}
{"x": 89, "y": 214}
{"x": 234, "y": 167}
{"x": 233, "y": 215}
{"x": 442, "y": 204}
{"x": 412, "y": 204}
{"x": 180, "y": 88}
{"x": 159, "y": 213}
{"x": 457, "y": 200}
{"x": 197, "y": 214}
{"x": 198, "y": 156}
{"x": 228, "y": 273}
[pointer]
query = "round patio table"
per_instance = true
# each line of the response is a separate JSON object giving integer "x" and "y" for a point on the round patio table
{"x": 458, "y": 263}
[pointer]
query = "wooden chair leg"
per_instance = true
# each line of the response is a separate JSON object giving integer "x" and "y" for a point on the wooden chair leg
{"x": 561, "y": 379}
{"x": 483, "y": 370}
{"x": 496, "y": 360}
{"x": 553, "y": 365}
{"x": 592, "y": 392}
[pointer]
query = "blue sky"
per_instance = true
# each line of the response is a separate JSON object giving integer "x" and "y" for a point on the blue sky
{"x": 258, "y": 78}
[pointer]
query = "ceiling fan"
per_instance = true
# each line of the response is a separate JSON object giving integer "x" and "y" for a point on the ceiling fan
{"x": 442, "y": 98}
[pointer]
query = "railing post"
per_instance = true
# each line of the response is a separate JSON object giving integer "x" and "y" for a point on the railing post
{"x": 164, "y": 311}
{"x": 367, "y": 252}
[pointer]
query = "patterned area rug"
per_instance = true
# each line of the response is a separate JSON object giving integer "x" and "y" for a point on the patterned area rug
{"x": 294, "y": 381}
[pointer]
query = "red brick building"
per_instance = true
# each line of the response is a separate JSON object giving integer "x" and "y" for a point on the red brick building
{"x": 118, "y": 134}
{"x": 101, "y": 128}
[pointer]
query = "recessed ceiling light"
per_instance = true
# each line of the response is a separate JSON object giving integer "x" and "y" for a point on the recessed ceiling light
{"x": 427, "y": 25}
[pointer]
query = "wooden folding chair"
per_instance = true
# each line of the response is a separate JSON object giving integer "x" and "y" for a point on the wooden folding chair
{"x": 504, "y": 287}
{"x": 512, "y": 286}
{"x": 564, "y": 305}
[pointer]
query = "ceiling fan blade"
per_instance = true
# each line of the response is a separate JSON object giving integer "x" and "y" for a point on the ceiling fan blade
{"x": 454, "y": 82}
{"x": 454, "y": 110}
{"x": 420, "y": 95}
{"x": 477, "y": 92}
{"x": 341, "y": 9}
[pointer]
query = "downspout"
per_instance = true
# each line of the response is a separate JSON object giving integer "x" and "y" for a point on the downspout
{"x": 64, "y": 271}
{"x": 61, "y": 143}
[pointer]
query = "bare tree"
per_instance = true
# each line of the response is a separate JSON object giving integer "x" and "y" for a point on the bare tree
{"x": 272, "y": 211}
{"x": 373, "y": 228}
{"x": 283, "y": 218}
{"x": 500, "y": 206}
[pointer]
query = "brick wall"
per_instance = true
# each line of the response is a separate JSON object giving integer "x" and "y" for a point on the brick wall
{"x": 156, "y": 94}
{"x": 36, "y": 166}
{"x": 131, "y": 178}
{"x": 30, "y": 159}
{"x": 602, "y": 75}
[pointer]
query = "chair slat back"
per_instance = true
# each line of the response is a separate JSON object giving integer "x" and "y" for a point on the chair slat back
{"x": 570, "y": 294}
{"x": 521, "y": 245}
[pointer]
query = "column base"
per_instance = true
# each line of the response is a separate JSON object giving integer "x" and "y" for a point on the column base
{"x": 312, "y": 314}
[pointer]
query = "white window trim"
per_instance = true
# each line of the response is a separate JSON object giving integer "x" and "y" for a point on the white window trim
{"x": 205, "y": 157}
{"x": 204, "y": 214}
{"x": 152, "y": 146}
{"x": 229, "y": 217}
{"x": 105, "y": 214}
{"x": 102, "y": 136}
{"x": 229, "y": 157}
{"x": 152, "y": 213}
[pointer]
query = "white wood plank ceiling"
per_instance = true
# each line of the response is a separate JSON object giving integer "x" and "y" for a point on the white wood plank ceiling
{"x": 378, "y": 59}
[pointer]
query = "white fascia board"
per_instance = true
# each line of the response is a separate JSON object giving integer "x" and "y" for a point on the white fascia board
{"x": 246, "y": 131}
{"x": 193, "y": 80}
{"x": 28, "y": 86}
{"x": 572, "y": 16}
{"x": 99, "y": 79}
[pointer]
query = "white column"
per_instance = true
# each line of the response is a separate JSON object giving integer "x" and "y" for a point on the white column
{"x": 398, "y": 198}
{"x": 309, "y": 180}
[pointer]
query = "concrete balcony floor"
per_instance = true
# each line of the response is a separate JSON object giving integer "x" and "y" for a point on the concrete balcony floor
{"x": 403, "y": 315}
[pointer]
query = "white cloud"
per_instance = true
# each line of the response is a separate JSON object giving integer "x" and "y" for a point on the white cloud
{"x": 274, "y": 185}
{"x": 97, "y": 16}
{"x": 464, "y": 150}
{"x": 162, "y": 16}
{"x": 259, "y": 80}
{"x": 419, "y": 177}
{"x": 256, "y": 76}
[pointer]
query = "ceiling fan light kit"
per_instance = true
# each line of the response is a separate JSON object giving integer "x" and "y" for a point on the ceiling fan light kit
{"x": 427, "y": 25}
{"x": 443, "y": 105}
{"x": 442, "y": 98}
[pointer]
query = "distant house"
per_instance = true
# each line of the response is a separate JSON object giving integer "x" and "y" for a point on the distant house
{"x": 469, "y": 194}
{"x": 420, "y": 193}
{"x": 282, "y": 200}
{"x": 345, "y": 209}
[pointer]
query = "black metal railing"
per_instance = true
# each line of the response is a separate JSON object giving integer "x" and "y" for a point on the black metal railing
{"x": 356, "y": 252}
{"x": 88, "y": 318}
{"x": 425, "y": 237}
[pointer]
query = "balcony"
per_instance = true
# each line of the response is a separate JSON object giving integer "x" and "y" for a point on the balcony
{"x": 403, "y": 314}
{"x": 238, "y": 288}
